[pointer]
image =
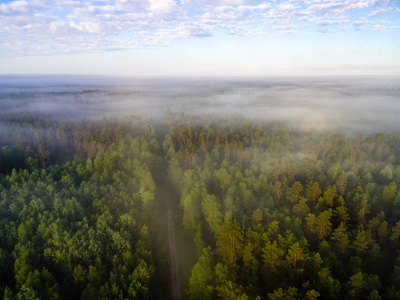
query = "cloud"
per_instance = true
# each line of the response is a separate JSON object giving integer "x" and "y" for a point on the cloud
{"x": 382, "y": 11}
{"x": 19, "y": 6}
{"x": 57, "y": 26}
{"x": 359, "y": 22}
{"x": 379, "y": 27}
{"x": 288, "y": 6}
{"x": 287, "y": 31}
{"x": 162, "y": 7}
{"x": 286, "y": 27}
{"x": 331, "y": 22}
{"x": 339, "y": 7}
{"x": 14, "y": 7}
{"x": 203, "y": 3}
{"x": 273, "y": 14}
{"x": 289, "y": 28}
{"x": 232, "y": 13}
{"x": 194, "y": 30}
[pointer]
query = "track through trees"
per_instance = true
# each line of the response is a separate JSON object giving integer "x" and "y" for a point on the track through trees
{"x": 175, "y": 281}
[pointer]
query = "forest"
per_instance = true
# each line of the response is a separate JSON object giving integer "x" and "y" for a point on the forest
{"x": 261, "y": 210}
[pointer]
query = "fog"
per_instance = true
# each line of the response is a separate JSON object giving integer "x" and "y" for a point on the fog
{"x": 348, "y": 104}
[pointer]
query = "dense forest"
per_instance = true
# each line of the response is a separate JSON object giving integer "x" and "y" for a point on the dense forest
{"x": 265, "y": 210}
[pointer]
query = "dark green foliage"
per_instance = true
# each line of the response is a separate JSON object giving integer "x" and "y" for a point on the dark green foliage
{"x": 79, "y": 229}
{"x": 275, "y": 213}
{"x": 316, "y": 213}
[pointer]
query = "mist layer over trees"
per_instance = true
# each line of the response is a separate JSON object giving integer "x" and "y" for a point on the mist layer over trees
{"x": 274, "y": 193}
{"x": 346, "y": 104}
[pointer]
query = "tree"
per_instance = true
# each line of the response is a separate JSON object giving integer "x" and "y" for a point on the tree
{"x": 191, "y": 207}
{"x": 386, "y": 174}
{"x": 326, "y": 201}
{"x": 311, "y": 220}
{"x": 340, "y": 214}
{"x": 79, "y": 273}
{"x": 272, "y": 258}
{"x": 27, "y": 293}
{"x": 277, "y": 190}
{"x": 328, "y": 286}
{"x": 301, "y": 209}
{"x": 140, "y": 282}
{"x": 248, "y": 257}
{"x": 316, "y": 262}
{"x": 323, "y": 225}
{"x": 257, "y": 216}
{"x": 294, "y": 257}
{"x": 341, "y": 183}
{"x": 230, "y": 291}
{"x": 273, "y": 230}
{"x": 389, "y": 192}
{"x": 341, "y": 241}
{"x": 212, "y": 212}
{"x": 312, "y": 295}
{"x": 313, "y": 192}
{"x": 229, "y": 242}
{"x": 280, "y": 294}
{"x": 8, "y": 294}
{"x": 361, "y": 241}
{"x": 395, "y": 236}
{"x": 295, "y": 192}
{"x": 43, "y": 154}
{"x": 356, "y": 286}
{"x": 374, "y": 295}
{"x": 382, "y": 231}
{"x": 200, "y": 282}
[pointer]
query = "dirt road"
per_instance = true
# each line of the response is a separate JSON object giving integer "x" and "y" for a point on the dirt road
{"x": 175, "y": 281}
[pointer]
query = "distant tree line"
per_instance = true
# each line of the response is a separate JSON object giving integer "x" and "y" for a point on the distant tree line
{"x": 23, "y": 137}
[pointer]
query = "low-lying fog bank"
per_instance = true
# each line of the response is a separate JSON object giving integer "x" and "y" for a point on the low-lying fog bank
{"x": 348, "y": 104}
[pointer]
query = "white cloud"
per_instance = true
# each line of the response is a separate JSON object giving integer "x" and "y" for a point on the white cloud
{"x": 273, "y": 14}
{"x": 379, "y": 27}
{"x": 14, "y": 7}
{"x": 287, "y": 6}
{"x": 286, "y": 27}
{"x": 162, "y": 6}
{"x": 359, "y": 22}
{"x": 106, "y": 25}
{"x": 287, "y": 31}
{"x": 190, "y": 30}
{"x": 382, "y": 11}
{"x": 339, "y": 7}
{"x": 109, "y": 8}
{"x": 203, "y": 3}
{"x": 263, "y": 6}
{"x": 131, "y": 5}
{"x": 331, "y": 22}
{"x": 19, "y": 6}
{"x": 5, "y": 9}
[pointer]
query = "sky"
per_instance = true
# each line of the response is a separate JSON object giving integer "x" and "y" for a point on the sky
{"x": 200, "y": 37}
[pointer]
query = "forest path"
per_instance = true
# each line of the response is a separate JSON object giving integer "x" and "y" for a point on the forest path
{"x": 176, "y": 283}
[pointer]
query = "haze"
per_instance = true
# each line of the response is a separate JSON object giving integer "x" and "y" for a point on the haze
{"x": 353, "y": 105}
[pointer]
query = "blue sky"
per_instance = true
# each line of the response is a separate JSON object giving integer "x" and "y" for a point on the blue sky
{"x": 200, "y": 37}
